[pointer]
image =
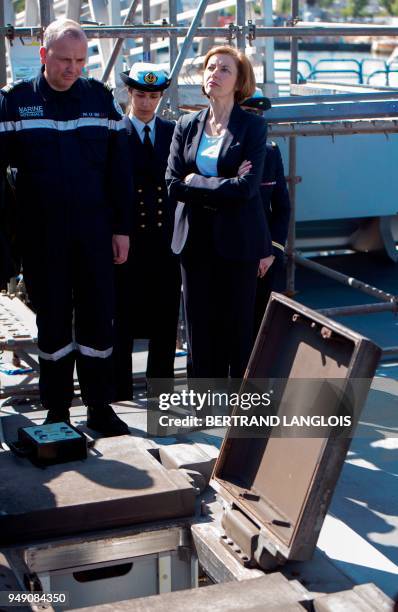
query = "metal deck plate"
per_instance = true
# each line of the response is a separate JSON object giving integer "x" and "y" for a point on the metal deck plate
{"x": 118, "y": 485}
{"x": 17, "y": 323}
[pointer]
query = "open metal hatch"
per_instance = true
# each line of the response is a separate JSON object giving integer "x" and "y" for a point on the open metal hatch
{"x": 277, "y": 486}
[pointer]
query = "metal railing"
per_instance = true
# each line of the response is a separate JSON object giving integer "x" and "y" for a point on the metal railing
{"x": 387, "y": 72}
{"x": 319, "y": 70}
{"x": 357, "y": 73}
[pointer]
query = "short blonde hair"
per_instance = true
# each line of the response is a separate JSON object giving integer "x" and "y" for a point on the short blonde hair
{"x": 62, "y": 27}
{"x": 246, "y": 81}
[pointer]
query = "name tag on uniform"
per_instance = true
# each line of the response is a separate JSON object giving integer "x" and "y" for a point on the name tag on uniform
{"x": 26, "y": 112}
{"x": 268, "y": 184}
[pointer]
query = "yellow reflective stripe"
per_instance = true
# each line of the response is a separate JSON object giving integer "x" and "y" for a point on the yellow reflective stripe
{"x": 278, "y": 245}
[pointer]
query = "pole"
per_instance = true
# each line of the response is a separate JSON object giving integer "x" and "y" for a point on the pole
{"x": 118, "y": 45}
{"x": 360, "y": 309}
{"x": 3, "y": 68}
{"x": 291, "y": 239}
{"x": 350, "y": 281}
{"x": 172, "y": 92}
{"x": 336, "y": 128}
{"x": 146, "y": 40}
{"x": 268, "y": 62}
{"x": 185, "y": 48}
{"x": 45, "y": 14}
{"x": 241, "y": 22}
{"x": 181, "y": 32}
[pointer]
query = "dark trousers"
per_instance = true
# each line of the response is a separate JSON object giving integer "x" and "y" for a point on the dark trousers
{"x": 219, "y": 296}
{"x": 148, "y": 289}
{"x": 70, "y": 285}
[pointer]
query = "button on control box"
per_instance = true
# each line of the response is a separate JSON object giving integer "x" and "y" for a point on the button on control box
{"x": 54, "y": 443}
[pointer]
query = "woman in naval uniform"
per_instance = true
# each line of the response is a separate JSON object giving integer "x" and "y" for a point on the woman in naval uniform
{"x": 148, "y": 285}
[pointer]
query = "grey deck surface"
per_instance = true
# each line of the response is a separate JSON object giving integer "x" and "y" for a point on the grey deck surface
{"x": 119, "y": 484}
{"x": 272, "y": 592}
{"x": 360, "y": 534}
{"x": 359, "y": 540}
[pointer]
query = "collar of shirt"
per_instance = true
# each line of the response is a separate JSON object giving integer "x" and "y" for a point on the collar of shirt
{"x": 48, "y": 92}
{"x": 139, "y": 126}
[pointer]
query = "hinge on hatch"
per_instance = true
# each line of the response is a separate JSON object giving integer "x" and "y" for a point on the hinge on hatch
{"x": 244, "y": 541}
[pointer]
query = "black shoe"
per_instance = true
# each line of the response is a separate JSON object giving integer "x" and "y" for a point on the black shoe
{"x": 56, "y": 415}
{"x": 104, "y": 420}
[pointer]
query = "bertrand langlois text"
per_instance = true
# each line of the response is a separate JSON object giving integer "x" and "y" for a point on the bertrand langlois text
{"x": 209, "y": 401}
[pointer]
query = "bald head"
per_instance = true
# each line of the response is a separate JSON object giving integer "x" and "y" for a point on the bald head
{"x": 63, "y": 53}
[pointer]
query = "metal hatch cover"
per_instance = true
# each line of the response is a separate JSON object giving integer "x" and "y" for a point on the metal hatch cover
{"x": 121, "y": 485}
{"x": 277, "y": 487}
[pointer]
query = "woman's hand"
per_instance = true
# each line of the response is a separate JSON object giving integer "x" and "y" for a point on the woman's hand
{"x": 264, "y": 265}
{"x": 244, "y": 168}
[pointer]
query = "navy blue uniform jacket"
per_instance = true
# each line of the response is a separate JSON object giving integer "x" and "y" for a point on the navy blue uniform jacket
{"x": 275, "y": 197}
{"x": 240, "y": 230}
{"x": 154, "y": 215}
{"x": 70, "y": 149}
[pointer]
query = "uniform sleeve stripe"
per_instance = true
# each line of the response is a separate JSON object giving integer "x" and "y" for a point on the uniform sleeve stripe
{"x": 7, "y": 126}
{"x": 116, "y": 125}
{"x": 278, "y": 245}
{"x": 61, "y": 126}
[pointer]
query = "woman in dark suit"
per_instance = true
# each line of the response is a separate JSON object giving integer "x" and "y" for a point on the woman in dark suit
{"x": 214, "y": 171}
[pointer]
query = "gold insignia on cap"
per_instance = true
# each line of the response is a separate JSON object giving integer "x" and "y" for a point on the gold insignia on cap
{"x": 150, "y": 78}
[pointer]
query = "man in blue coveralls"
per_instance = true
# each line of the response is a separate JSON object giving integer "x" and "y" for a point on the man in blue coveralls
{"x": 65, "y": 136}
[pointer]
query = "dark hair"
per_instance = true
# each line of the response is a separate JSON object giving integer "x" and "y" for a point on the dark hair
{"x": 130, "y": 90}
{"x": 246, "y": 81}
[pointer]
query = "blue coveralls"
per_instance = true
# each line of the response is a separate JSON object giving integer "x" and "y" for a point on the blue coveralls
{"x": 73, "y": 192}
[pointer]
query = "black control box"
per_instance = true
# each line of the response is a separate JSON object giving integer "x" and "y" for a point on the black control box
{"x": 54, "y": 443}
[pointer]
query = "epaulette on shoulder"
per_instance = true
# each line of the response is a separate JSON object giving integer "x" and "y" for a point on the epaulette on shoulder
{"x": 6, "y": 89}
{"x": 100, "y": 84}
{"x": 13, "y": 86}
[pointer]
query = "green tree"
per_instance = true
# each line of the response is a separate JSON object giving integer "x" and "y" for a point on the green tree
{"x": 355, "y": 8}
{"x": 391, "y": 6}
{"x": 284, "y": 7}
{"x": 19, "y": 5}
